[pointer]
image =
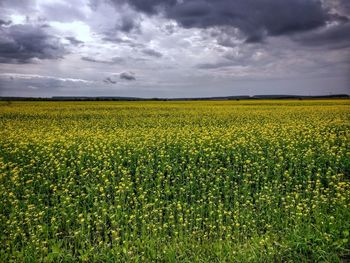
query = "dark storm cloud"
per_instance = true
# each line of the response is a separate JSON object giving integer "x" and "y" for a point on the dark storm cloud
{"x": 337, "y": 36}
{"x": 151, "y": 52}
{"x": 150, "y": 6}
{"x": 127, "y": 76}
{"x": 254, "y": 18}
{"x": 22, "y": 43}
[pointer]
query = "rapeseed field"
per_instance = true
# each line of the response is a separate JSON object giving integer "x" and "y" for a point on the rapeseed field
{"x": 203, "y": 181}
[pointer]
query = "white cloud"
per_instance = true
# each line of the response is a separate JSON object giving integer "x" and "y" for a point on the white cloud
{"x": 14, "y": 76}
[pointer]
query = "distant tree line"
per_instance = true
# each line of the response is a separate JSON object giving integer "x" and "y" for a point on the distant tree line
{"x": 256, "y": 97}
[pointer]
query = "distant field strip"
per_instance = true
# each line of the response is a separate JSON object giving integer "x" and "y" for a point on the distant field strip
{"x": 203, "y": 181}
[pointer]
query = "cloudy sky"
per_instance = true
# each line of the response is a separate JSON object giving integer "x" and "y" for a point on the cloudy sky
{"x": 174, "y": 48}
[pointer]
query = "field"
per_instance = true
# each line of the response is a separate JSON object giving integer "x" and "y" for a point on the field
{"x": 205, "y": 181}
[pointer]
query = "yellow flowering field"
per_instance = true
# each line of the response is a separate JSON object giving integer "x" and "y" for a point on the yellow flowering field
{"x": 202, "y": 181}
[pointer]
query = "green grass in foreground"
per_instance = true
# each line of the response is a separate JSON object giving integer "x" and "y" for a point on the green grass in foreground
{"x": 218, "y": 181}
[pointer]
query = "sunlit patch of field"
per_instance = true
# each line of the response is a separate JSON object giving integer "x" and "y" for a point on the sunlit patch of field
{"x": 205, "y": 181}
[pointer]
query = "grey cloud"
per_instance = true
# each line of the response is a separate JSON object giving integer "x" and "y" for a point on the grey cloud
{"x": 26, "y": 87}
{"x": 115, "y": 39}
{"x": 113, "y": 60}
{"x": 6, "y": 23}
{"x": 40, "y": 85}
{"x": 241, "y": 56}
{"x": 169, "y": 29}
{"x": 215, "y": 65}
{"x": 18, "y": 4}
{"x": 14, "y": 76}
{"x": 336, "y": 36}
{"x": 340, "y": 7}
{"x": 23, "y": 43}
{"x": 229, "y": 60}
{"x": 127, "y": 23}
{"x": 62, "y": 12}
{"x": 127, "y": 76}
{"x": 256, "y": 19}
{"x": 26, "y": 84}
{"x": 111, "y": 37}
{"x": 74, "y": 41}
{"x": 226, "y": 37}
{"x": 151, "y": 52}
{"x": 150, "y": 6}
{"x": 108, "y": 80}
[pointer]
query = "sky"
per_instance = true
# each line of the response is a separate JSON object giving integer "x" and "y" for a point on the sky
{"x": 174, "y": 48}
